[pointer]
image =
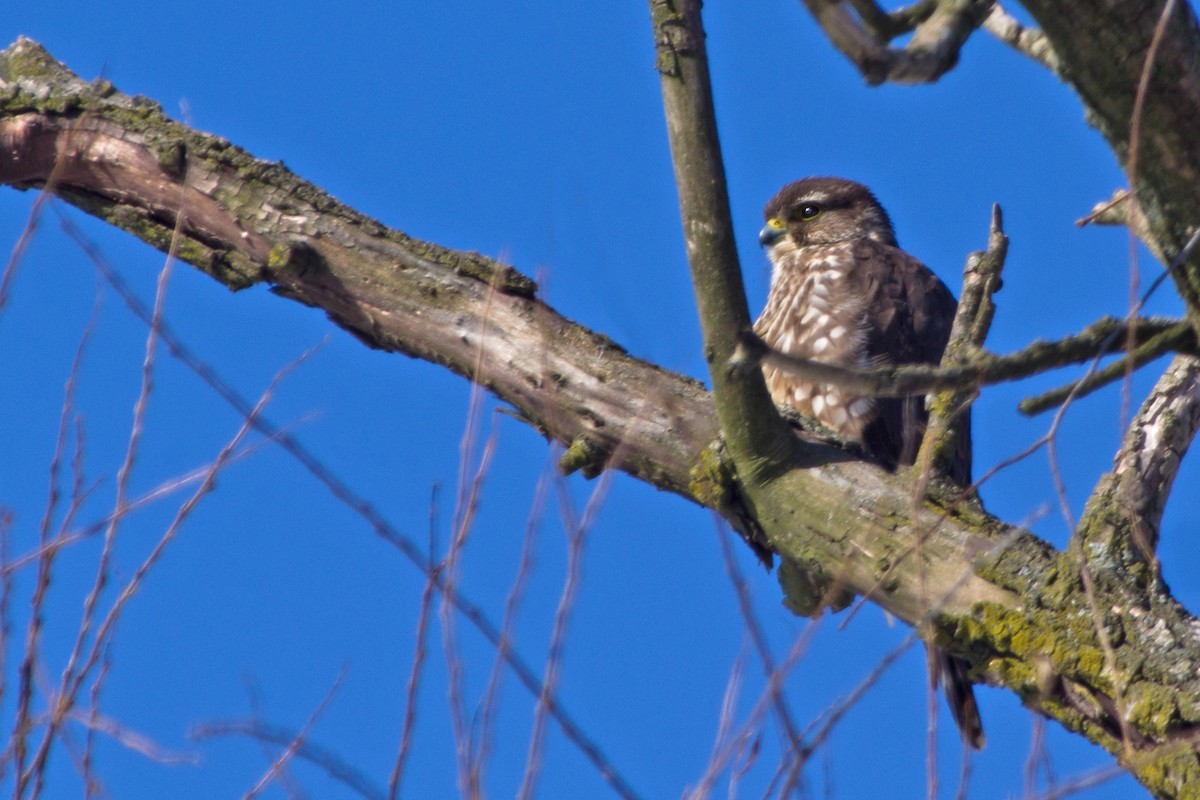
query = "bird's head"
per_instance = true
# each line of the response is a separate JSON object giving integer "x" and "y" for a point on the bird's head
{"x": 823, "y": 211}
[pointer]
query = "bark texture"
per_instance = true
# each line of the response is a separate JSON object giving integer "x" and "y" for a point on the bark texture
{"x": 1105, "y": 51}
{"x": 1005, "y": 601}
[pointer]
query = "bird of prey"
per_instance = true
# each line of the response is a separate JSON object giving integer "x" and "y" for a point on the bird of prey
{"x": 844, "y": 293}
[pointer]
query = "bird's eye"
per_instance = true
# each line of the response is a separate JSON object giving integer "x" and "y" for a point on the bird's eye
{"x": 807, "y": 212}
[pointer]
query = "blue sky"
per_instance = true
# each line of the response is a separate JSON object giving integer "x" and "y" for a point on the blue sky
{"x": 531, "y": 132}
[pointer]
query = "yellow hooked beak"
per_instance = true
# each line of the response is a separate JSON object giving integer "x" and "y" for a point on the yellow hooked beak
{"x": 772, "y": 232}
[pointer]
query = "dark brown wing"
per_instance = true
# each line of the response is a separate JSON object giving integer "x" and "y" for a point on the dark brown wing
{"x": 910, "y": 312}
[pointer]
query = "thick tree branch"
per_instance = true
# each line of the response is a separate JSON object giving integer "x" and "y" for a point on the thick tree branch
{"x": 251, "y": 221}
{"x": 1136, "y": 490}
{"x": 1029, "y": 41}
{"x": 1017, "y": 615}
{"x": 939, "y": 30}
{"x": 1103, "y": 47}
{"x": 887, "y": 25}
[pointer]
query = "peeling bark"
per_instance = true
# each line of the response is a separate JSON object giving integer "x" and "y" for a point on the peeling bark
{"x": 1003, "y": 600}
{"x": 1144, "y": 470}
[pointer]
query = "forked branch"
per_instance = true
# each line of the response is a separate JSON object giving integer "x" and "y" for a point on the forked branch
{"x": 250, "y": 221}
{"x": 939, "y": 29}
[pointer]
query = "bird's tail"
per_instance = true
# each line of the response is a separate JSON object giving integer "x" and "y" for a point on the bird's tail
{"x": 951, "y": 672}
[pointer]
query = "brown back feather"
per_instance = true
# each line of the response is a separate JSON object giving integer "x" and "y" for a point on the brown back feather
{"x": 913, "y": 314}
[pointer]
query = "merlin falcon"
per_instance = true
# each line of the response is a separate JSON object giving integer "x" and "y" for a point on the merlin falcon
{"x": 844, "y": 293}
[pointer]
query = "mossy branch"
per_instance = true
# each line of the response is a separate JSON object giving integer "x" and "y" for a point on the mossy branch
{"x": 755, "y": 435}
{"x": 1121, "y": 522}
{"x": 1016, "y": 614}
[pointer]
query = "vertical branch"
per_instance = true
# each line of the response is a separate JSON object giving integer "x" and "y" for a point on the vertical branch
{"x": 71, "y": 678}
{"x": 757, "y": 438}
{"x": 724, "y": 732}
{"x": 948, "y": 431}
{"x": 419, "y": 654}
{"x": 757, "y": 636}
{"x": 470, "y": 496}
{"x": 577, "y": 528}
{"x": 489, "y": 705}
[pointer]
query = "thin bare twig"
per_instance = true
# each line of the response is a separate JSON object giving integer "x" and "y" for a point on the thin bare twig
{"x": 1116, "y": 210}
{"x": 1083, "y": 782}
{"x": 753, "y": 721}
{"x": 491, "y": 695}
{"x": 759, "y": 639}
{"x": 467, "y": 506}
{"x": 74, "y": 677}
{"x": 419, "y": 653}
{"x": 66, "y": 698}
{"x": 725, "y": 720}
{"x": 1139, "y": 99}
{"x": 284, "y": 778}
{"x": 1158, "y": 336}
{"x": 67, "y": 536}
{"x": 131, "y": 587}
{"x": 964, "y": 774}
{"x": 6, "y": 593}
{"x": 784, "y": 772}
{"x": 791, "y": 782}
{"x": 297, "y": 741}
{"x": 1038, "y": 756}
{"x": 91, "y": 781}
{"x": 344, "y": 494}
{"x": 45, "y": 559}
{"x": 577, "y": 529}
{"x": 132, "y": 740}
{"x": 305, "y": 749}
